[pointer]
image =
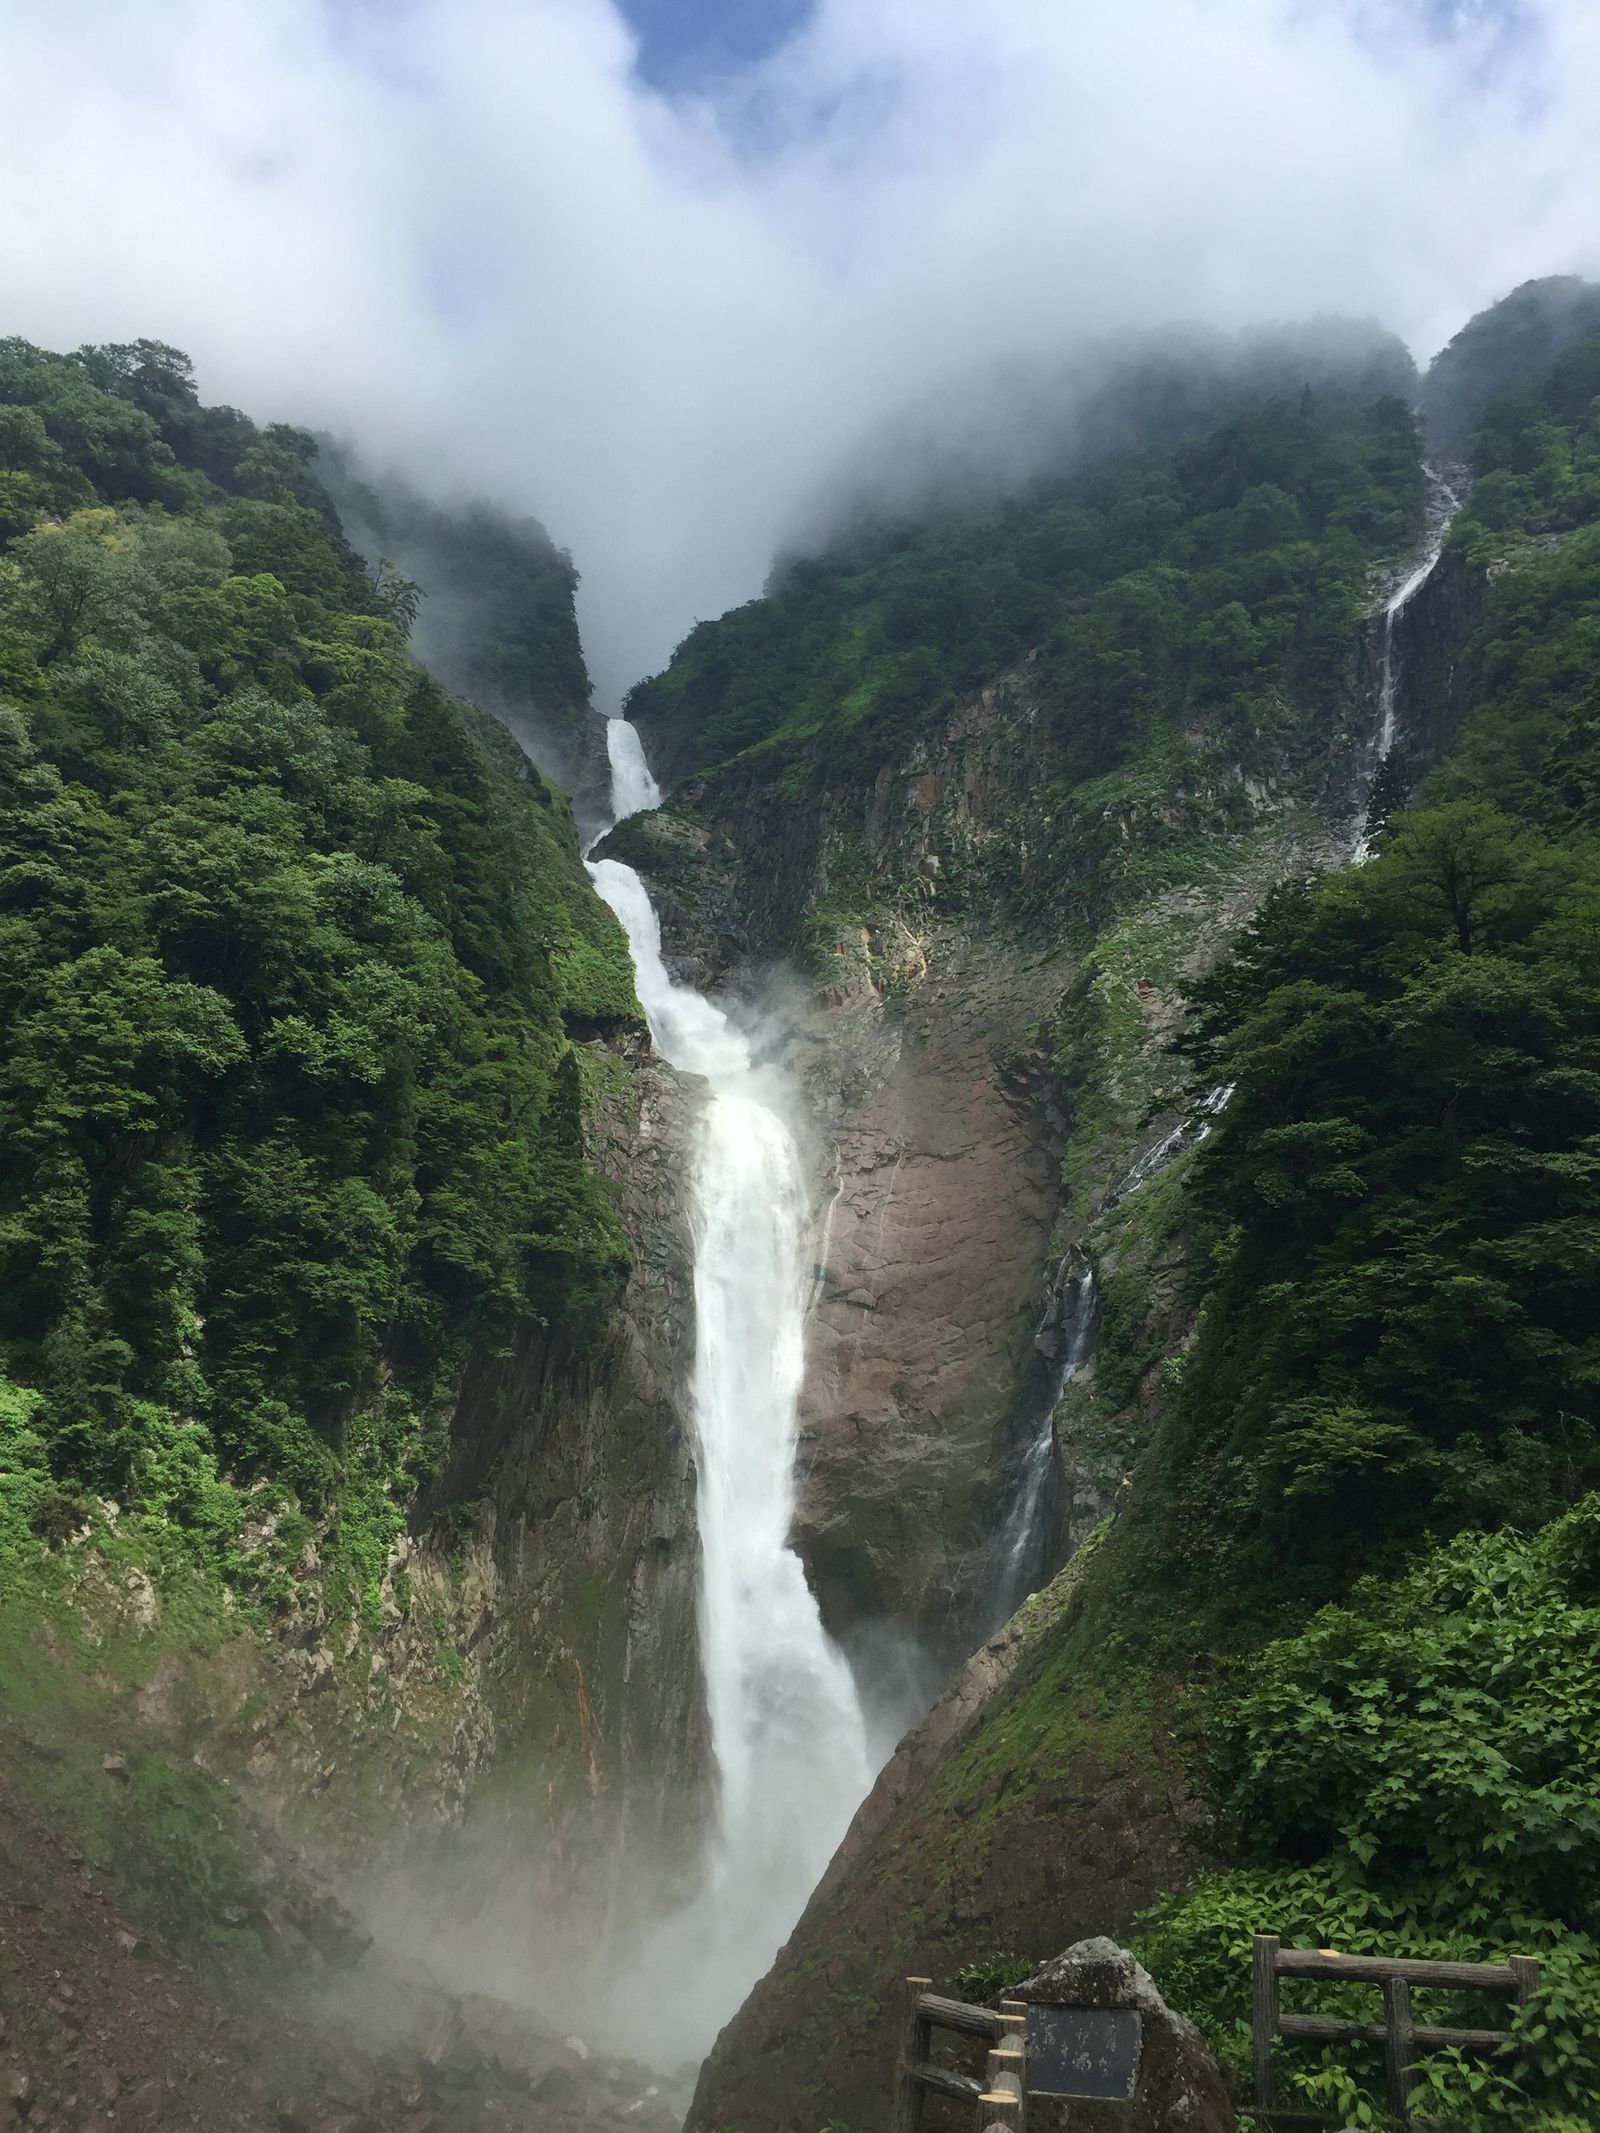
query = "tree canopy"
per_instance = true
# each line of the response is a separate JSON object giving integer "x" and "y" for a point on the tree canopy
{"x": 291, "y": 942}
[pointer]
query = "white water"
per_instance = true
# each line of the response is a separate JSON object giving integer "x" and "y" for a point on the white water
{"x": 633, "y": 790}
{"x": 786, "y": 1724}
{"x": 1399, "y": 600}
{"x": 1443, "y": 506}
{"x": 1188, "y": 1133}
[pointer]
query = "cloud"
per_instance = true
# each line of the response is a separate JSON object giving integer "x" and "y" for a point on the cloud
{"x": 465, "y": 232}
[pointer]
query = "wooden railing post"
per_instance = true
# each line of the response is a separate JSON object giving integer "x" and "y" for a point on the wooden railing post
{"x": 999, "y": 2112}
{"x": 1525, "y": 1969}
{"x": 1005, "y": 2074}
{"x": 914, "y": 2044}
{"x": 1006, "y": 2070}
{"x": 1399, "y": 2046}
{"x": 1264, "y": 2017}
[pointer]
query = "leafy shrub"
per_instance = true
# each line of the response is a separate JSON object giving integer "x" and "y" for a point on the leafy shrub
{"x": 985, "y": 1977}
{"x": 1416, "y": 1772}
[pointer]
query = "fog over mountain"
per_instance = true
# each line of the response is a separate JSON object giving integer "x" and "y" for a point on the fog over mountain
{"x": 469, "y": 236}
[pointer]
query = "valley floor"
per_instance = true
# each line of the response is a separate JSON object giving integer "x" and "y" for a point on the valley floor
{"x": 122, "y": 2006}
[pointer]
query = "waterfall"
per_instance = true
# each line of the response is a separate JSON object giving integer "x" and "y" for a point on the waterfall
{"x": 1443, "y": 504}
{"x": 1188, "y": 1133}
{"x": 787, "y": 1729}
{"x": 633, "y": 790}
{"x": 1020, "y": 1555}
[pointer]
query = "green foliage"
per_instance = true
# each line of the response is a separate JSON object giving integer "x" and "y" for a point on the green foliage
{"x": 1526, "y": 689}
{"x": 1184, "y": 598}
{"x": 1416, "y": 1771}
{"x": 1405, "y": 1194}
{"x": 289, "y": 940}
{"x": 1402, "y": 1206}
{"x": 986, "y": 1976}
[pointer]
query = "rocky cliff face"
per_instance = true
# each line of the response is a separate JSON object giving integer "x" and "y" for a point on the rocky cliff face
{"x": 573, "y": 1566}
{"x": 982, "y": 1043}
{"x": 997, "y": 1109}
{"x": 935, "y": 1135}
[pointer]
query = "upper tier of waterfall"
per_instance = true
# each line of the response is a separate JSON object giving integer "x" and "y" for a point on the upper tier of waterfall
{"x": 633, "y": 789}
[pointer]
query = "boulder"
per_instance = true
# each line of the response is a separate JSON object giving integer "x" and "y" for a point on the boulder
{"x": 1179, "y": 2086}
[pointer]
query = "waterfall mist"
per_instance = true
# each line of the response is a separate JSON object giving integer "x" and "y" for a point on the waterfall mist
{"x": 788, "y": 1732}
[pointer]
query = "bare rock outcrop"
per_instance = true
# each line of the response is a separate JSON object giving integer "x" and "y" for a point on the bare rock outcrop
{"x": 1178, "y": 2086}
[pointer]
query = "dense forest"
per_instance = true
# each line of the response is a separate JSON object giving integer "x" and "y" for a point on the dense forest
{"x": 1219, "y": 578}
{"x": 1400, "y": 1220}
{"x": 290, "y": 945}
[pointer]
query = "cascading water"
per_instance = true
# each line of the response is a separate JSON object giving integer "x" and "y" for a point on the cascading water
{"x": 786, "y": 1724}
{"x": 1443, "y": 504}
{"x": 633, "y": 790}
{"x": 1020, "y": 1556}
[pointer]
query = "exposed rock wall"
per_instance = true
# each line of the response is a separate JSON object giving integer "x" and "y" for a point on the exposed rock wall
{"x": 575, "y": 1575}
{"x": 935, "y": 1136}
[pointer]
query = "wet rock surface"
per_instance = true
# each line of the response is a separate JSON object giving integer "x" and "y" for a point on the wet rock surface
{"x": 938, "y": 1196}
{"x": 934, "y": 1135}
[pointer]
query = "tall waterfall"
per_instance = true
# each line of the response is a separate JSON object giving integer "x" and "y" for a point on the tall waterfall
{"x": 633, "y": 789}
{"x": 786, "y": 1724}
{"x": 1443, "y": 504}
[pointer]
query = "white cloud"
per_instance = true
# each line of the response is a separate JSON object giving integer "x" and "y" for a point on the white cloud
{"x": 461, "y": 229}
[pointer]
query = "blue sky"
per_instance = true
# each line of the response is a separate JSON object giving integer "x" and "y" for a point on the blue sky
{"x": 685, "y": 43}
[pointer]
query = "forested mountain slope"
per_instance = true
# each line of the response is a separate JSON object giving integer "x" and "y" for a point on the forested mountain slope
{"x": 292, "y": 944}
{"x": 1357, "y": 1322}
{"x": 342, "y": 1253}
{"x": 496, "y": 622}
{"x": 1219, "y": 574}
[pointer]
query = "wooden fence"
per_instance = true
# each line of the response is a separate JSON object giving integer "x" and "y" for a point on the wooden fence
{"x": 999, "y": 2100}
{"x": 1402, "y": 2038}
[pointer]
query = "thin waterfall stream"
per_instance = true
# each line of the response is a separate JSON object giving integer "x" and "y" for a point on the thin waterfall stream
{"x": 1021, "y": 1555}
{"x": 787, "y": 1728}
{"x": 1443, "y": 503}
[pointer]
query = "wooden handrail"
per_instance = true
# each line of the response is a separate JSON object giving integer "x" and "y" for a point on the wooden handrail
{"x": 1376, "y": 1969}
{"x": 999, "y": 2100}
{"x": 1400, "y": 2036}
{"x": 961, "y": 2016}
